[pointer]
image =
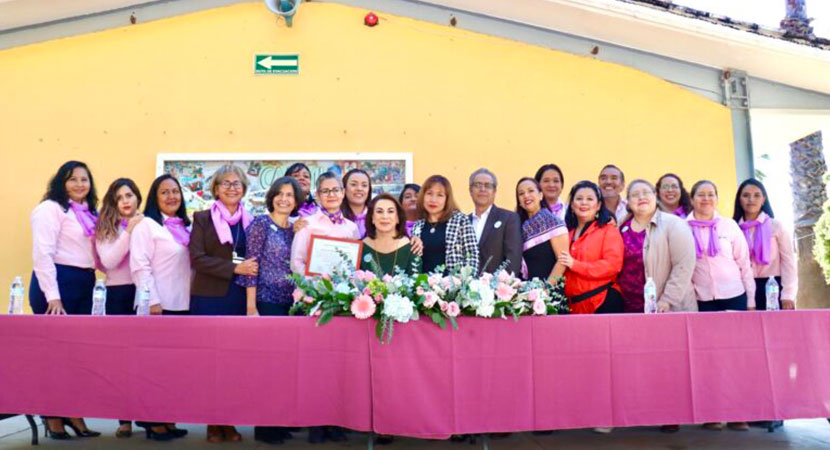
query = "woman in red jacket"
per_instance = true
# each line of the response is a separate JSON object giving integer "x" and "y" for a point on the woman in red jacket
{"x": 596, "y": 253}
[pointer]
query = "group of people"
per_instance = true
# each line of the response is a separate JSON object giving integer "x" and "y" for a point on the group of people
{"x": 227, "y": 262}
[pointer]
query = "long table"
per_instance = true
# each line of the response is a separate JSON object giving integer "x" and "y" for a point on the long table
{"x": 487, "y": 376}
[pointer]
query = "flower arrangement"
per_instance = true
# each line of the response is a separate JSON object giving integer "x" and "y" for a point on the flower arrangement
{"x": 402, "y": 297}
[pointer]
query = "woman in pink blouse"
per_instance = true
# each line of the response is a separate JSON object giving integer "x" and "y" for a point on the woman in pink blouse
{"x": 328, "y": 221}
{"x": 160, "y": 263}
{"x": 119, "y": 216}
{"x": 723, "y": 278}
{"x": 770, "y": 244}
{"x": 63, "y": 259}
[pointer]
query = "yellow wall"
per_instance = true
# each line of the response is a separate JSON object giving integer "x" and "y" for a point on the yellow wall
{"x": 457, "y": 100}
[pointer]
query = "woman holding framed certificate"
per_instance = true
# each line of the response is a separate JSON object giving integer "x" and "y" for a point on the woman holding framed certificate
{"x": 386, "y": 246}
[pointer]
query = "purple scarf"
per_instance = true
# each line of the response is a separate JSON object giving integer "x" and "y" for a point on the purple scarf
{"x": 410, "y": 224}
{"x": 307, "y": 209}
{"x": 714, "y": 247}
{"x": 680, "y": 212}
{"x": 360, "y": 221}
{"x": 555, "y": 209}
{"x": 223, "y": 220}
{"x": 124, "y": 223}
{"x": 175, "y": 225}
{"x": 759, "y": 246}
{"x": 86, "y": 219}
{"x": 336, "y": 218}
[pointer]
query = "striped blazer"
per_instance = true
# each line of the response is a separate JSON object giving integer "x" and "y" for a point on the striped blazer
{"x": 462, "y": 245}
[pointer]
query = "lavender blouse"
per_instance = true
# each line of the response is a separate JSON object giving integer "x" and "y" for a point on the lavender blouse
{"x": 271, "y": 246}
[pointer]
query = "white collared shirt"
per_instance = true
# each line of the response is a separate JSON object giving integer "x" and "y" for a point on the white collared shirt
{"x": 621, "y": 212}
{"x": 479, "y": 221}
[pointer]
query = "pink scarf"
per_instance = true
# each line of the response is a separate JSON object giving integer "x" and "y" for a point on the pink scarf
{"x": 759, "y": 246}
{"x": 85, "y": 218}
{"x": 223, "y": 220}
{"x": 714, "y": 247}
{"x": 175, "y": 225}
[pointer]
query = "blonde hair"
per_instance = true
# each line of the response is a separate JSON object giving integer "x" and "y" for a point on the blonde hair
{"x": 223, "y": 172}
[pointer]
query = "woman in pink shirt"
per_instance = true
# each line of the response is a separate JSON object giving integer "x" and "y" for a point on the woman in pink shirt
{"x": 328, "y": 221}
{"x": 160, "y": 263}
{"x": 770, "y": 244}
{"x": 358, "y": 189}
{"x": 119, "y": 216}
{"x": 722, "y": 278}
{"x": 63, "y": 227}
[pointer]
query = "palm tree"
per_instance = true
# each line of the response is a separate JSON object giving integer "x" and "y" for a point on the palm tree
{"x": 807, "y": 167}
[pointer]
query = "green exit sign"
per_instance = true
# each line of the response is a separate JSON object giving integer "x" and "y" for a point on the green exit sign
{"x": 276, "y": 64}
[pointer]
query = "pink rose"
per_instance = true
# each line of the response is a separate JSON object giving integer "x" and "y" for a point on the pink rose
{"x": 503, "y": 276}
{"x": 446, "y": 283}
{"x": 533, "y": 295}
{"x": 539, "y": 307}
{"x": 430, "y": 300}
{"x": 378, "y": 298}
{"x": 453, "y": 310}
{"x": 363, "y": 307}
{"x": 325, "y": 276}
{"x": 456, "y": 281}
{"x": 419, "y": 290}
{"x": 387, "y": 278}
{"x": 434, "y": 280}
{"x": 443, "y": 305}
{"x": 504, "y": 292}
{"x": 308, "y": 299}
{"x": 298, "y": 295}
{"x": 487, "y": 277}
{"x": 369, "y": 276}
{"x": 367, "y": 291}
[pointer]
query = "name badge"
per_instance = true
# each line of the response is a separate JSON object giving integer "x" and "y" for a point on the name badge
{"x": 237, "y": 259}
{"x": 274, "y": 227}
{"x": 497, "y": 225}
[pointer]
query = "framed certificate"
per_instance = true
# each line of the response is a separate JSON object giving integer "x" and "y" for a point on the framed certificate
{"x": 326, "y": 253}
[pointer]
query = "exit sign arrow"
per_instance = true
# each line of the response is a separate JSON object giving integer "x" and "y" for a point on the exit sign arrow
{"x": 276, "y": 64}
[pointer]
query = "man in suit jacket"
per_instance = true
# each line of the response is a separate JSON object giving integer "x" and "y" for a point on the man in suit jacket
{"x": 498, "y": 231}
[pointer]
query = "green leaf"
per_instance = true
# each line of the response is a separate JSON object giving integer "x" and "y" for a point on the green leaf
{"x": 325, "y": 317}
{"x": 327, "y": 284}
{"x": 454, "y": 323}
{"x": 379, "y": 329}
{"x": 438, "y": 319}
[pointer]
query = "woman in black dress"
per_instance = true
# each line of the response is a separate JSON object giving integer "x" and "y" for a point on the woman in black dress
{"x": 544, "y": 235}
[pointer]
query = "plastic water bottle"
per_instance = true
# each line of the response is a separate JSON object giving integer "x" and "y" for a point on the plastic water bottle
{"x": 16, "y": 296}
{"x": 99, "y": 298}
{"x": 144, "y": 301}
{"x": 650, "y": 294}
{"x": 772, "y": 295}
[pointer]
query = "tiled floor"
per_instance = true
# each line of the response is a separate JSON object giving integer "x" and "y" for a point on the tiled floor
{"x": 806, "y": 434}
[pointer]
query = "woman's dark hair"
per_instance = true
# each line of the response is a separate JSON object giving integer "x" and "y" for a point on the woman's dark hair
{"x": 407, "y": 186}
{"x": 296, "y": 167}
{"x": 523, "y": 216}
{"x": 700, "y": 183}
{"x": 739, "y": 210}
{"x": 110, "y": 219}
{"x": 275, "y": 188}
{"x": 152, "y": 209}
{"x": 56, "y": 189}
{"x": 541, "y": 172}
{"x": 685, "y": 200}
{"x": 603, "y": 217}
{"x": 347, "y": 210}
{"x": 400, "y": 229}
{"x": 450, "y": 206}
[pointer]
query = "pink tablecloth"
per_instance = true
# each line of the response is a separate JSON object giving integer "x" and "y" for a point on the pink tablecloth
{"x": 589, "y": 371}
{"x": 227, "y": 370}
{"x": 488, "y": 376}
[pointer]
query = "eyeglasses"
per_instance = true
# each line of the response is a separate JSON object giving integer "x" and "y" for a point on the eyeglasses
{"x": 327, "y": 192}
{"x": 483, "y": 186}
{"x": 231, "y": 184}
{"x": 669, "y": 187}
{"x": 641, "y": 194}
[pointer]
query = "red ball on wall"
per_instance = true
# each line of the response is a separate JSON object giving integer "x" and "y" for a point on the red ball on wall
{"x": 370, "y": 20}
